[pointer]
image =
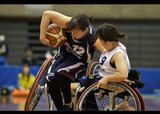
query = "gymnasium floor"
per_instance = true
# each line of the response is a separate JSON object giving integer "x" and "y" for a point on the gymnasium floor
{"x": 8, "y": 103}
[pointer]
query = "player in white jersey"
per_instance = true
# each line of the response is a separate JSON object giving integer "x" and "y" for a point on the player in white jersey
{"x": 108, "y": 68}
{"x": 114, "y": 60}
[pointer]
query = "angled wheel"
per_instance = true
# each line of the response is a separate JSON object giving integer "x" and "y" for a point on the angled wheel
{"x": 94, "y": 68}
{"x": 37, "y": 88}
{"x": 143, "y": 107}
{"x": 116, "y": 96}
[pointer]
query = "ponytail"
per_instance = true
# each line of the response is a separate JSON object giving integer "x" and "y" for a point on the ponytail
{"x": 90, "y": 18}
{"x": 122, "y": 35}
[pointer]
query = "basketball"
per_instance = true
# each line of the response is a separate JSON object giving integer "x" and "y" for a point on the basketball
{"x": 56, "y": 35}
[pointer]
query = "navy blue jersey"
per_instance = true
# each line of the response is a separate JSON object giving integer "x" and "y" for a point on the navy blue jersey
{"x": 82, "y": 49}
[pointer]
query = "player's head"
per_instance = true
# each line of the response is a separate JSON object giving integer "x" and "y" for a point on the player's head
{"x": 108, "y": 34}
{"x": 79, "y": 25}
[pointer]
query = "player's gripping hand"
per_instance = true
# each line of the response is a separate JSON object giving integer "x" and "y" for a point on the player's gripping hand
{"x": 102, "y": 82}
{"x": 45, "y": 41}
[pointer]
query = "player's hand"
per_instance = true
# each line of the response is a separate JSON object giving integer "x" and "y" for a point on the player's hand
{"x": 45, "y": 41}
{"x": 102, "y": 82}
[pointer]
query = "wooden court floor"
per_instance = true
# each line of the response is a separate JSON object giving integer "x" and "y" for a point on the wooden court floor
{"x": 8, "y": 103}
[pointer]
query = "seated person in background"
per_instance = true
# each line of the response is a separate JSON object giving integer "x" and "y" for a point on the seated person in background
{"x": 25, "y": 79}
{"x": 29, "y": 58}
{"x": 51, "y": 52}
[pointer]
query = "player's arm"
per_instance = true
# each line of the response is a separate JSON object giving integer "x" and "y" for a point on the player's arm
{"x": 51, "y": 16}
{"x": 99, "y": 45}
{"x": 121, "y": 66}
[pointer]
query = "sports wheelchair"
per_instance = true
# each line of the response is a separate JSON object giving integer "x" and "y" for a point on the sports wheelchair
{"x": 116, "y": 96}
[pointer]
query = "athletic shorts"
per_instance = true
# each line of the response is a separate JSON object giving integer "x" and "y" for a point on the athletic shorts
{"x": 69, "y": 66}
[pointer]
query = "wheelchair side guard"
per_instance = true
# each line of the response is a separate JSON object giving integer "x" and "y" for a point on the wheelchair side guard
{"x": 113, "y": 88}
{"x": 135, "y": 75}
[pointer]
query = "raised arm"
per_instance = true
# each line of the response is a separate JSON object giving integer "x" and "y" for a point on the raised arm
{"x": 51, "y": 16}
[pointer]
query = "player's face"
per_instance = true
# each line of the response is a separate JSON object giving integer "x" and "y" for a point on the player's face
{"x": 78, "y": 34}
{"x": 109, "y": 45}
{"x": 106, "y": 45}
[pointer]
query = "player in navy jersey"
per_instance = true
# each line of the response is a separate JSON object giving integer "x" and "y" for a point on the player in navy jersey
{"x": 73, "y": 56}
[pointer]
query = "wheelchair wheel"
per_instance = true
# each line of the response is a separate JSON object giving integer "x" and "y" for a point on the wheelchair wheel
{"x": 37, "y": 88}
{"x": 117, "y": 96}
{"x": 93, "y": 68}
{"x": 143, "y": 107}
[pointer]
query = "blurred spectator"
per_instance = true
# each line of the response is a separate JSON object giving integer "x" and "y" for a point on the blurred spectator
{"x": 29, "y": 58}
{"x": 25, "y": 79}
{"x": 51, "y": 52}
{"x": 3, "y": 50}
{"x": 4, "y": 95}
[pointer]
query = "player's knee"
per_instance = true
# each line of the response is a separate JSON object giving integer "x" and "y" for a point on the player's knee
{"x": 50, "y": 77}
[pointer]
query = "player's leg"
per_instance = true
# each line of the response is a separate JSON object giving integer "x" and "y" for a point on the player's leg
{"x": 64, "y": 85}
{"x": 68, "y": 71}
{"x": 65, "y": 70}
{"x": 54, "y": 91}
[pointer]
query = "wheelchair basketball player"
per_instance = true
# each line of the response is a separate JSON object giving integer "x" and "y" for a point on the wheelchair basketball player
{"x": 73, "y": 56}
{"x": 114, "y": 61}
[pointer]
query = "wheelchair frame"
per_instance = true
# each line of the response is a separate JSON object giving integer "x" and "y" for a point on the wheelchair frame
{"x": 43, "y": 87}
{"x": 94, "y": 66}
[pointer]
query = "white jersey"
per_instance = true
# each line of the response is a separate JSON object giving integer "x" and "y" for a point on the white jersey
{"x": 106, "y": 68}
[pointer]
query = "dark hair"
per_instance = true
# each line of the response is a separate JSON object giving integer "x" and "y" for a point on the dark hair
{"x": 108, "y": 32}
{"x": 80, "y": 21}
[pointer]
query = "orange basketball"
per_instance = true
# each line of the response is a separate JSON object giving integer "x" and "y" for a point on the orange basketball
{"x": 56, "y": 35}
